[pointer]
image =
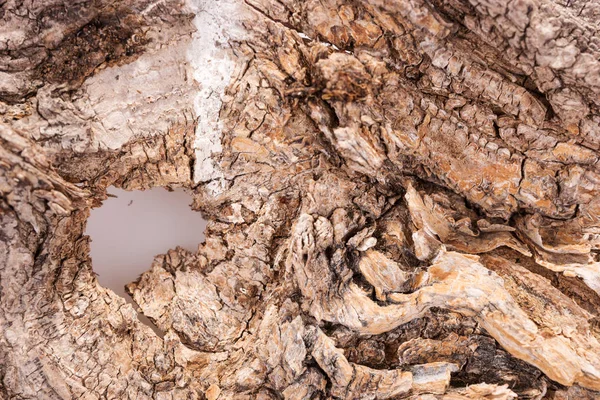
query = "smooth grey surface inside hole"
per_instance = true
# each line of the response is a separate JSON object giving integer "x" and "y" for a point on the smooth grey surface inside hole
{"x": 127, "y": 231}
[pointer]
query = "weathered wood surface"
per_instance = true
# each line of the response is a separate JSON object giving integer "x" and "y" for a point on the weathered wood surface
{"x": 403, "y": 198}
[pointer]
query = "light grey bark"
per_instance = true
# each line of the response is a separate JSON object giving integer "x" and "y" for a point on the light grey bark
{"x": 402, "y": 198}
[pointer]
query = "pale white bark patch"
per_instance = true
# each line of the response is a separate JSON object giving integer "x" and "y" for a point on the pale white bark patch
{"x": 138, "y": 99}
{"x": 217, "y": 23}
{"x": 119, "y": 103}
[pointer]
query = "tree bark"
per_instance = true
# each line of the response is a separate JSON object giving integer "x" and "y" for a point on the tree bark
{"x": 402, "y": 196}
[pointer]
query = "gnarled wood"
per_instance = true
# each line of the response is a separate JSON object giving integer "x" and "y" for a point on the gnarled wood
{"x": 403, "y": 198}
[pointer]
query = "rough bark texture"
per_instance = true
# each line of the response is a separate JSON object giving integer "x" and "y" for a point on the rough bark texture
{"x": 402, "y": 195}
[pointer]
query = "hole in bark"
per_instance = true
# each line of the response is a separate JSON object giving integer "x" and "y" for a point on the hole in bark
{"x": 133, "y": 227}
